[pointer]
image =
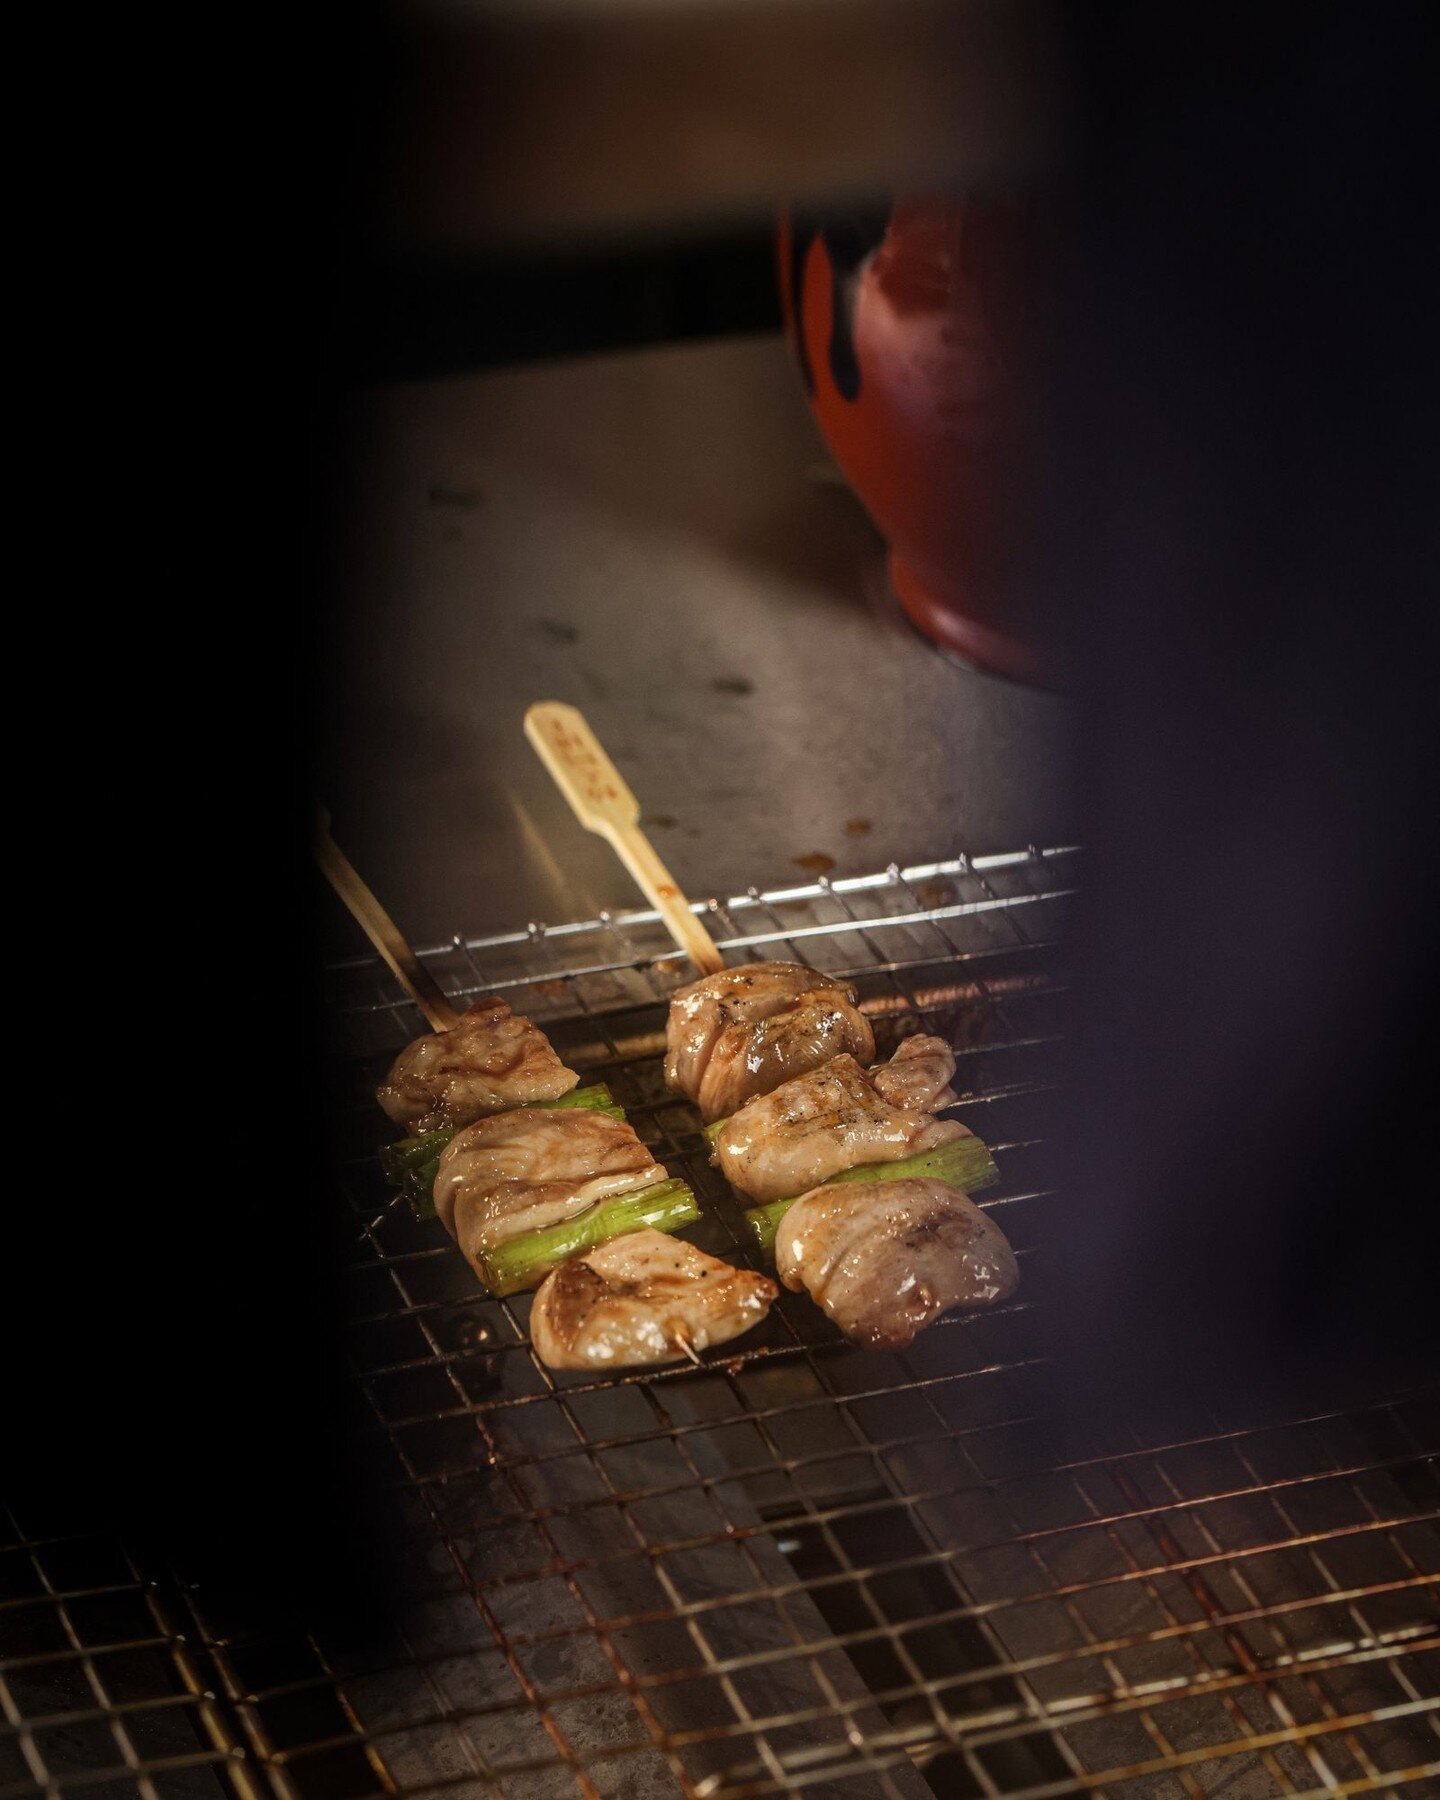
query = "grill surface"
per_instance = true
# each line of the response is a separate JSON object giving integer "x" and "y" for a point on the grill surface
{"x": 803, "y": 1568}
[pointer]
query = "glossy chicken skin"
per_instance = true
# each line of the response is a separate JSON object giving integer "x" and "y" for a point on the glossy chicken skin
{"x": 490, "y": 1058}
{"x": 918, "y": 1075}
{"x": 809, "y": 1129}
{"x": 524, "y": 1170}
{"x": 743, "y": 1031}
{"x": 884, "y": 1258}
{"x": 638, "y": 1300}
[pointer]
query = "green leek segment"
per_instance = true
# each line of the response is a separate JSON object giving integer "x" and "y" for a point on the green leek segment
{"x": 522, "y": 1262}
{"x": 411, "y": 1164}
{"x": 965, "y": 1164}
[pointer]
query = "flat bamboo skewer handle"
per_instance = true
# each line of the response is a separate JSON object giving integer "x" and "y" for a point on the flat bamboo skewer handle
{"x": 381, "y": 929}
{"x": 603, "y": 804}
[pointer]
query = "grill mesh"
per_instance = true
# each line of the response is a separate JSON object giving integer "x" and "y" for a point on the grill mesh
{"x": 803, "y": 1568}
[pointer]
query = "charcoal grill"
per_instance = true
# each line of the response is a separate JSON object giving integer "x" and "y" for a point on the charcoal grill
{"x": 802, "y": 1568}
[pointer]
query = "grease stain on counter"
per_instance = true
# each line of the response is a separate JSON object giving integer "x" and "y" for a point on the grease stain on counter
{"x": 815, "y": 862}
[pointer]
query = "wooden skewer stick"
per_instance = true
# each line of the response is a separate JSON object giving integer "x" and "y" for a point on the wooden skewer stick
{"x": 603, "y": 804}
{"x": 381, "y": 929}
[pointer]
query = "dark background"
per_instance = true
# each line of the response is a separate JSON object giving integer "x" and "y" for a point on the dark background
{"x": 1242, "y": 540}
{"x": 441, "y": 315}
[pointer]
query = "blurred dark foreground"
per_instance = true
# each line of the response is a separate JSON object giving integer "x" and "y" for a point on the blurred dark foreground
{"x": 1244, "y": 538}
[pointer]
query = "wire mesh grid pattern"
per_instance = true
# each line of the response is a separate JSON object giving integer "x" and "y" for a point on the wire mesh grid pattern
{"x": 802, "y": 1568}
{"x": 100, "y": 1686}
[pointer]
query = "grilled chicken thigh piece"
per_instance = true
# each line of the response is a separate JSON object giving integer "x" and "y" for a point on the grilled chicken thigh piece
{"x": 809, "y": 1129}
{"x": 639, "y": 1300}
{"x": 524, "y": 1170}
{"x": 918, "y": 1075}
{"x": 743, "y": 1031}
{"x": 884, "y": 1258}
{"x": 490, "y": 1058}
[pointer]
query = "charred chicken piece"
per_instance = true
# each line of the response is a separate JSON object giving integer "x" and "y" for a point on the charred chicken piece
{"x": 839, "y": 1117}
{"x": 524, "y": 1170}
{"x": 489, "y": 1060}
{"x": 642, "y": 1299}
{"x": 885, "y": 1258}
{"x": 743, "y": 1031}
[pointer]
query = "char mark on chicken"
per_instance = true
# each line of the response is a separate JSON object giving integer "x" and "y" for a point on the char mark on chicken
{"x": 525, "y": 1170}
{"x": 643, "y": 1299}
{"x": 490, "y": 1059}
{"x": 744, "y": 1031}
{"x": 886, "y": 1258}
{"x": 838, "y": 1117}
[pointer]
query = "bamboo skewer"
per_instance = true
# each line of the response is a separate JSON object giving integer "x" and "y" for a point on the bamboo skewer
{"x": 381, "y": 929}
{"x": 603, "y": 804}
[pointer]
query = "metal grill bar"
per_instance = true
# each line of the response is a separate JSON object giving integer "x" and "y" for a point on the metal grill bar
{"x": 1409, "y": 1640}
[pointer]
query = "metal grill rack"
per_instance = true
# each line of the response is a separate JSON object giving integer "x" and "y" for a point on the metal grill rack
{"x": 803, "y": 1568}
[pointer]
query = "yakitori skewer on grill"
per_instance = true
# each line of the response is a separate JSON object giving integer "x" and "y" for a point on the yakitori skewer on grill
{"x": 865, "y": 1192}
{"x": 523, "y": 1167}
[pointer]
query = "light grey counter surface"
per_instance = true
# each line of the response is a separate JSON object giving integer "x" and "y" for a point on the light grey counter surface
{"x": 656, "y": 537}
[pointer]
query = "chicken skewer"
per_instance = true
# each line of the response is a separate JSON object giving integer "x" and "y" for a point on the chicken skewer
{"x": 878, "y": 1225}
{"x": 523, "y": 1166}
{"x": 844, "y": 1123}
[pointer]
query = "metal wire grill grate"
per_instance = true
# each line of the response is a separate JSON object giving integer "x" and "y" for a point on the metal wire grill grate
{"x": 99, "y": 1686}
{"x": 804, "y": 1568}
